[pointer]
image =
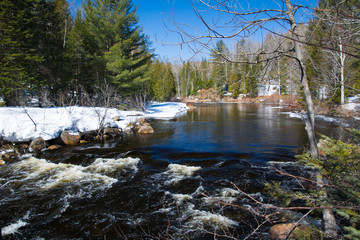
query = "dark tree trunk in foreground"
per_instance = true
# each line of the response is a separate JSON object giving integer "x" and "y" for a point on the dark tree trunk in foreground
{"x": 328, "y": 216}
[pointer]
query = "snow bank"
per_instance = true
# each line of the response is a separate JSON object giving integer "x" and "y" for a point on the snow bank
{"x": 353, "y": 104}
{"x": 165, "y": 110}
{"x": 25, "y": 124}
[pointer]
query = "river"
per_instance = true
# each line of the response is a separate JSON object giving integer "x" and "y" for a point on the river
{"x": 166, "y": 184}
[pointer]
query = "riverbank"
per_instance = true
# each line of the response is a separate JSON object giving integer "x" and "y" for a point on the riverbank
{"x": 291, "y": 102}
{"x": 21, "y": 125}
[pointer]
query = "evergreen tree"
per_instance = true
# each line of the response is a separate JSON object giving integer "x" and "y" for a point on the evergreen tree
{"x": 122, "y": 49}
{"x": 204, "y": 71}
{"x": 220, "y": 71}
{"x": 18, "y": 58}
{"x": 52, "y": 27}
{"x": 185, "y": 79}
{"x": 251, "y": 79}
{"x": 84, "y": 60}
{"x": 162, "y": 81}
{"x": 234, "y": 81}
{"x": 32, "y": 47}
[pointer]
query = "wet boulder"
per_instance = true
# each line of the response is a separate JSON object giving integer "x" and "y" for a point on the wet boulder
{"x": 70, "y": 138}
{"x": 89, "y": 136}
{"x": 142, "y": 127}
{"x": 37, "y": 144}
{"x": 9, "y": 156}
{"x": 145, "y": 129}
{"x": 22, "y": 148}
{"x": 281, "y": 231}
{"x": 112, "y": 131}
{"x": 53, "y": 147}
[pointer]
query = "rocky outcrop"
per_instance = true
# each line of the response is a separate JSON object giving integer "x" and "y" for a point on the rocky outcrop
{"x": 37, "y": 144}
{"x": 12, "y": 151}
{"x": 281, "y": 231}
{"x": 70, "y": 138}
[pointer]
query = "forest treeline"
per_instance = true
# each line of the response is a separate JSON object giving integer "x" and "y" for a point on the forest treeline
{"x": 103, "y": 52}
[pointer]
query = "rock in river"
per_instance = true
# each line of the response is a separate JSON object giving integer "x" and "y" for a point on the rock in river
{"x": 37, "y": 144}
{"x": 280, "y": 231}
{"x": 70, "y": 138}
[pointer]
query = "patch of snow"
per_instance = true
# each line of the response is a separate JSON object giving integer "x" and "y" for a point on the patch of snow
{"x": 166, "y": 110}
{"x": 354, "y": 99}
{"x": 352, "y": 106}
{"x": 332, "y": 120}
{"x": 24, "y": 124}
{"x": 294, "y": 115}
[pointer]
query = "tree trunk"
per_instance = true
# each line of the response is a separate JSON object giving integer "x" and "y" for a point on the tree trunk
{"x": 342, "y": 73}
{"x": 278, "y": 69}
{"x": 310, "y": 119}
{"x": 328, "y": 216}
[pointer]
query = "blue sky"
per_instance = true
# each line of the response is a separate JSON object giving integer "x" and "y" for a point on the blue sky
{"x": 155, "y": 14}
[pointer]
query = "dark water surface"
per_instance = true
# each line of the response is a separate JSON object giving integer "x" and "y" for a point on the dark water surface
{"x": 169, "y": 183}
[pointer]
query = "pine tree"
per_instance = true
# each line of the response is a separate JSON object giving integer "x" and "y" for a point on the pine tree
{"x": 162, "y": 81}
{"x": 234, "y": 81}
{"x": 122, "y": 49}
{"x": 185, "y": 79}
{"x": 18, "y": 58}
{"x": 52, "y": 25}
{"x": 220, "y": 71}
{"x": 204, "y": 71}
{"x": 251, "y": 78}
{"x": 33, "y": 43}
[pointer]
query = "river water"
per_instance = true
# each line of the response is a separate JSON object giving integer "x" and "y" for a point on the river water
{"x": 167, "y": 184}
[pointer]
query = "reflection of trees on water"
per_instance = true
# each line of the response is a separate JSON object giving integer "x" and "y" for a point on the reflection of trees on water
{"x": 243, "y": 127}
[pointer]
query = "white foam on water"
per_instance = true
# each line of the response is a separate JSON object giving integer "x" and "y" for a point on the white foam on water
{"x": 179, "y": 172}
{"x": 226, "y": 195}
{"x": 51, "y": 175}
{"x": 14, "y": 227}
{"x": 182, "y": 169}
{"x": 110, "y": 165}
{"x": 229, "y": 192}
{"x": 213, "y": 219}
{"x": 180, "y": 198}
{"x": 76, "y": 174}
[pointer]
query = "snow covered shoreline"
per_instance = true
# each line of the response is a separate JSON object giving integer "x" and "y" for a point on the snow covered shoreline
{"x": 21, "y": 124}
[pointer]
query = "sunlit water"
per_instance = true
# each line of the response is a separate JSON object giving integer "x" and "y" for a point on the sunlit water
{"x": 169, "y": 183}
